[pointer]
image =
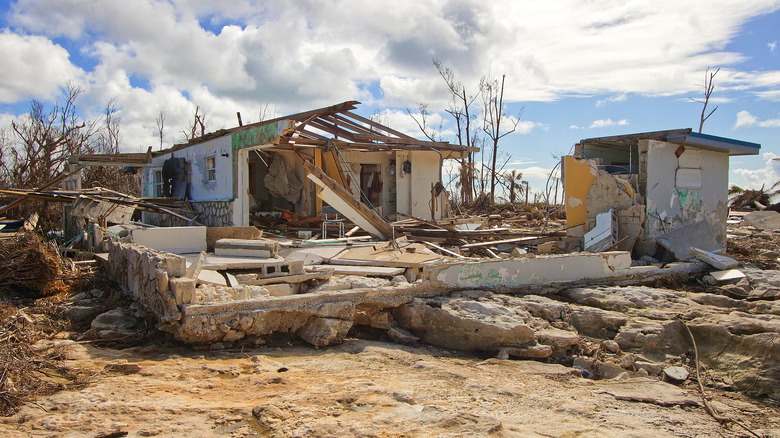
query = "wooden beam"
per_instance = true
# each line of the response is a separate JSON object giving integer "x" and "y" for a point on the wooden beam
{"x": 353, "y": 209}
{"x": 446, "y": 251}
{"x": 53, "y": 182}
{"x": 376, "y": 125}
{"x": 526, "y": 240}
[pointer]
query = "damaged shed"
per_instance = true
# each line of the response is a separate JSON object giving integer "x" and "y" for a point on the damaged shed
{"x": 631, "y": 192}
{"x": 231, "y": 174}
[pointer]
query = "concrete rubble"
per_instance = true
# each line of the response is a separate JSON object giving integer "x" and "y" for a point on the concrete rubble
{"x": 598, "y": 312}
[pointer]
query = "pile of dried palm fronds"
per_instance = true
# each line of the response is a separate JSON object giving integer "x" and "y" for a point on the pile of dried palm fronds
{"x": 750, "y": 199}
{"x": 27, "y": 370}
{"x": 31, "y": 266}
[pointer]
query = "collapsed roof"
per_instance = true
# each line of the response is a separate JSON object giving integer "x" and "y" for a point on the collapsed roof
{"x": 335, "y": 125}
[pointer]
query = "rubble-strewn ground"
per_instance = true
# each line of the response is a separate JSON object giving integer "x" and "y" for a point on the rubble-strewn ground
{"x": 374, "y": 388}
{"x": 70, "y": 381}
{"x": 361, "y": 388}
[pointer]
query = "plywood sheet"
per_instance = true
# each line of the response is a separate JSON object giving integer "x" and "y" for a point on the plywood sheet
{"x": 414, "y": 255}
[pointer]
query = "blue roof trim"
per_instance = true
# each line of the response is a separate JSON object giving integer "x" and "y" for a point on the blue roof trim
{"x": 724, "y": 140}
{"x": 715, "y": 143}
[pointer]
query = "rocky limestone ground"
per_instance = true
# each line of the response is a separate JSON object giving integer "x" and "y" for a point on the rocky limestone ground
{"x": 363, "y": 388}
{"x": 601, "y": 355}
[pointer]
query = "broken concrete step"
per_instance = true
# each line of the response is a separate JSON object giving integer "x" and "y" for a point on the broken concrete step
{"x": 264, "y": 267}
{"x": 246, "y": 248}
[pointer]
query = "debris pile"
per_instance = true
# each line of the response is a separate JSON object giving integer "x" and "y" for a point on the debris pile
{"x": 29, "y": 357}
{"x": 32, "y": 266}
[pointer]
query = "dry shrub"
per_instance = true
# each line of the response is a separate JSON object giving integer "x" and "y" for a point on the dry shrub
{"x": 26, "y": 372}
{"x": 31, "y": 266}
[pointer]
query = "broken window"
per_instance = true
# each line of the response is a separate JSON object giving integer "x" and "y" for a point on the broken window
{"x": 211, "y": 168}
{"x": 158, "y": 183}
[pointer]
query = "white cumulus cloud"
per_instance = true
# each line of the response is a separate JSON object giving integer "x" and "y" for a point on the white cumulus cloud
{"x": 766, "y": 176}
{"x": 604, "y": 123}
{"x": 745, "y": 119}
{"x": 33, "y": 67}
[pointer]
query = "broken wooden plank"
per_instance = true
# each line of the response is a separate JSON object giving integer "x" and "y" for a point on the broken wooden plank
{"x": 492, "y": 254}
{"x": 343, "y": 201}
{"x": 446, "y": 251}
{"x": 51, "y": 183}
{"x": 352, "y": 231}
{"x": 340, "y": 239}
{"x": 526, "y": 240}
{"x": 423, "y": 221}
{"x": 369, "y": 271}
{"x": 715, "y": 260}
{"x": 291, "y": 279}
{"x": 411, "y": 256}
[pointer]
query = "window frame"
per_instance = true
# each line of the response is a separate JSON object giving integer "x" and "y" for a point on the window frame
{"x": 211, "y": 172}
{"x": 157, "y": 181}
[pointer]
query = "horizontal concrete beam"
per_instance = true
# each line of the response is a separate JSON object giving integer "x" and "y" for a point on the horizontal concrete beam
{"x": 538, "y": 271}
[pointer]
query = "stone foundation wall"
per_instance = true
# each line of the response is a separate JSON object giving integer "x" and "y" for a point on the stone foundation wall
{"x": 210, "y": 214}
{"x": 146, "y": 274}
{"x": 214, "y": 213}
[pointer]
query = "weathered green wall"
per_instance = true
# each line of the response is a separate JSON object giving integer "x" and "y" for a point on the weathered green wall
{"x": 254, "y": 136}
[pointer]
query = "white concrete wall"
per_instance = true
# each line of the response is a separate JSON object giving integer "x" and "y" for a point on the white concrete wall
{"x": 199, "y": 190}
{"x": 414, "y": 189}
{"x": 673, "y": 202}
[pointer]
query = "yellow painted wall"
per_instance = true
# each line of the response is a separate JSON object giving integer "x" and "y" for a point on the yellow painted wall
{"x": 577, "y": 179}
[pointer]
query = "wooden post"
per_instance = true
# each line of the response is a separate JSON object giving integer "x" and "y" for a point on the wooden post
{"x": 433, "y": 202}
{"x": 526, "y": 193}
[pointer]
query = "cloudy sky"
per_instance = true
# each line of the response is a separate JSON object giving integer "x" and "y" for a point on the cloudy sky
{"x": 574, "y": 69}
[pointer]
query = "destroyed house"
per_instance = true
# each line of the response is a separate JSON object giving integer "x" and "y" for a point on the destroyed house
{"x": 230, "y": 174}
{"x": 631, "y": 192}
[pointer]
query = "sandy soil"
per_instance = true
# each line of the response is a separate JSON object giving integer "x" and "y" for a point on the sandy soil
{"x": 363, "y": 388}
